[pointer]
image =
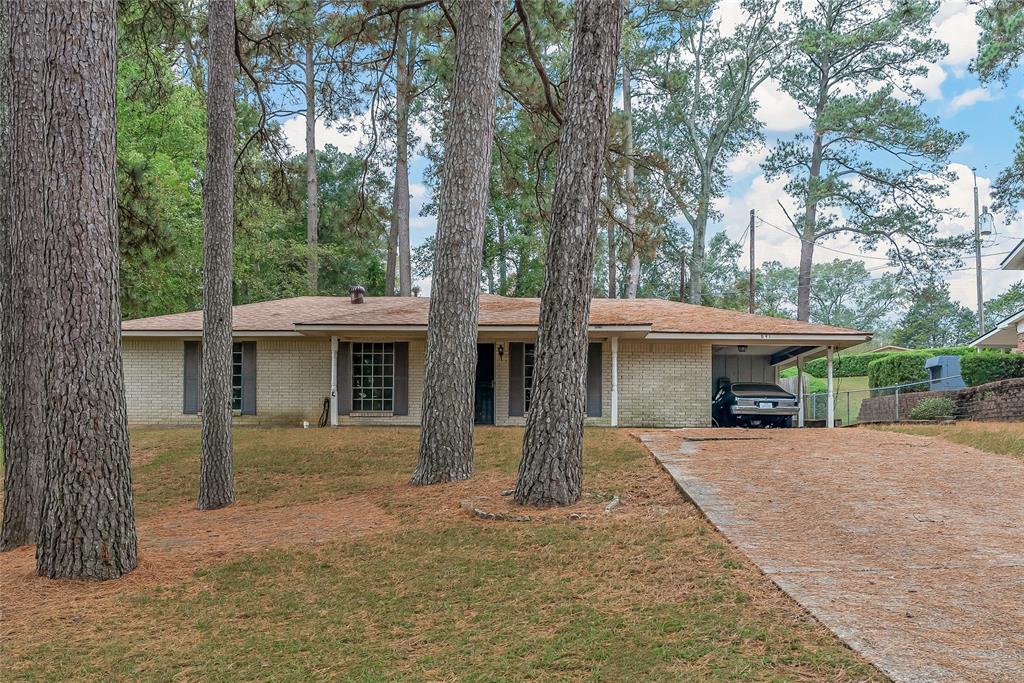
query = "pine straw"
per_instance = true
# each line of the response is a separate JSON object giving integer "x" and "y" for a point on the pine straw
{"x": 652, "y": 552}
{"x": 173, "y": 545}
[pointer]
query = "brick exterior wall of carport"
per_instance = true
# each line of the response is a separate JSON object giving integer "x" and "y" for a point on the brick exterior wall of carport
{"x": 664, "y": 384}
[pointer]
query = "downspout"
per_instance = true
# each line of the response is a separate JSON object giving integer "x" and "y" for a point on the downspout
{"x": 334, "y": 381}
{"x": 615, "y": 381}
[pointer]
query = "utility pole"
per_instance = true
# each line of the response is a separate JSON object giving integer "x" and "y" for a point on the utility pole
{"x": 753, "y": 268}
{"x": 682, "y": 275}
{"x": 977, "y": 257}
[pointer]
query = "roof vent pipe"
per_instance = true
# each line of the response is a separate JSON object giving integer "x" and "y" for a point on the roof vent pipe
{"x": 356, "y": 293}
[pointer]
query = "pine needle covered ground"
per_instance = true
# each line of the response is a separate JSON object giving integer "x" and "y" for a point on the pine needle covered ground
{"x": 1004, "y": 438}
{"x": 332, "y": 567}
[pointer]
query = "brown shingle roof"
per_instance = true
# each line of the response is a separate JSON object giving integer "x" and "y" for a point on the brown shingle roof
{"x": 282, "y": 315}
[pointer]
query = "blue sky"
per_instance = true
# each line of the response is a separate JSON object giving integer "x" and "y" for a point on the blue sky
{"x": 953, "y": 94}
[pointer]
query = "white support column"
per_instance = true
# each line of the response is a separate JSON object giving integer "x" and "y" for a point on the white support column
{"x": 830, "y": 408}
{"x": 800, "y": 390}
{"x": 615, "y": 381}
{"x": 334, "y": 381}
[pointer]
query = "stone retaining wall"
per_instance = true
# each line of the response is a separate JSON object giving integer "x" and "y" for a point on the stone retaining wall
{"x": 1003, "y": 400}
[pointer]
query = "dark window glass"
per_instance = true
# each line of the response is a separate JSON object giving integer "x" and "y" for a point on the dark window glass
{"x": 527, "y": 375}
{"x": 236, "y": 376}
{"x": 373, "y": 376}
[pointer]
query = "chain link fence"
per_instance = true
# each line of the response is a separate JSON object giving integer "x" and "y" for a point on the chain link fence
{"x": 847, "y": 403}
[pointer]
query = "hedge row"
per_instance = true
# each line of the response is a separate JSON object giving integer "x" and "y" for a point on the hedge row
{"x": 908, "y": 366}
{"x": 991, "y": 366}
{"x": 853, "y": 365}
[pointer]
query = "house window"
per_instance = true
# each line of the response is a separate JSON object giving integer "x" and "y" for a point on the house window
{"x": 373, "y": 377}
{"x": 236, "y": 376}
{"x": 527, "y": 375}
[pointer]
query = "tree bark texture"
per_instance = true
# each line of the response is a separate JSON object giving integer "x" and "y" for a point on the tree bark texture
{"x": 87, "y": 528}
{"x": 312, "y": 187}
{"x": 551, "y": 471}
{"x": 613, "y": 265}
{"x": 216, "y": 476}
{"x": 22, "y": 268}
{"x": 633, "y": 279}
{"x": 400, "y": 205}
{"x": 700, "y": 223}
{"x": 446, "y": 438}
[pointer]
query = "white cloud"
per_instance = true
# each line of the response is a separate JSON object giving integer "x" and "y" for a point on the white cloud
{"x": 969, "y": 98}
{"x": 931, "y": 83}
{"x": 747, "y": 161}
{"x": 954, "y": 24}
{"x": 777, "y": 109}
{"x": 345, "y": 140}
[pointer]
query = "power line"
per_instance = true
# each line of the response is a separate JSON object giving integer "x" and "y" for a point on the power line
{"x": 787, "y": 233}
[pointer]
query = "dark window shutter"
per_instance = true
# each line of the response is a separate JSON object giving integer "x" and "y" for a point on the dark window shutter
{"x": 190, "y": 402}
{"x": 249, "y": 378}
{"x": 594, "y": 380}
{"x": 401, "y": 395}
{"x": 344, "y": 361}
{"x": 515, "y": 379}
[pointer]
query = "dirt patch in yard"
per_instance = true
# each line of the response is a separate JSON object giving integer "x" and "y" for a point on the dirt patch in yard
{"x": 174, "y": 544}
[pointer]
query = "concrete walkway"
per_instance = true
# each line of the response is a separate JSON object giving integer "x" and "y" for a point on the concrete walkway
{"x": 909, "y": 549}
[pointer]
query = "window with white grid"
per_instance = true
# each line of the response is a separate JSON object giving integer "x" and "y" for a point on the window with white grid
{"x": 373, "y": 377}
{"x": 236, "y": 376}
{"x": 527, "y": 374}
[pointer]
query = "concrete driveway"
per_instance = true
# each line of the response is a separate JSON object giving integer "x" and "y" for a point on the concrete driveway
{"x": 910, "y": 549}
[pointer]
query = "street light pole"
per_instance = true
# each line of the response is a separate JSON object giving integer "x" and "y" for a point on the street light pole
{"x": 977, "y": 257}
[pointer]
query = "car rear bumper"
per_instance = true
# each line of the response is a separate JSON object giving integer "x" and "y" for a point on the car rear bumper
{"x": 754, "y": 411}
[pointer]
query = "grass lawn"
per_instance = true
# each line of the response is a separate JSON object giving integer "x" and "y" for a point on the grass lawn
{"x": 1005, "y": 438}
{"x": 332, "y": 567}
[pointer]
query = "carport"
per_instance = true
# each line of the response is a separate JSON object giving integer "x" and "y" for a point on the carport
{"x": 760, "y": 360}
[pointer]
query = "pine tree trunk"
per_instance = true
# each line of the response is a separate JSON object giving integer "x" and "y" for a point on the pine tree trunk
{"x": 502, "y": 259}
{"x": 551, "y": 471}
{"x": 87, "y": 528}
{"x": 216, "y": 476}
{"x": 312, "y": 187}
{"x": 613, "y": 266}
{"x": 446, "y": 439}
{"x": 698, "y": 257}
{"x": 401, "y": 198}
{"x": 22, "y": 328}
{"x": 633, "y": 281}
{"x": 633, "y": 276}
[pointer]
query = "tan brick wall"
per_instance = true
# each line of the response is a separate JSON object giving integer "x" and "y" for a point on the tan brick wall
{"x": 153, "y": 380}
{"x": 501, "y": 369}
{"x": 664, "y": 384}
{"x": 293, "y": 376}
{"x": 1020, "y": 342}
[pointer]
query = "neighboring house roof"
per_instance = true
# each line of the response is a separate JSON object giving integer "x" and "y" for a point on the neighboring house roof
{"x": 1015, "y": 259}
{"x": 1004, "y": 334}
{"x": 653, "y": 318}
{"x": 889, "y": 348}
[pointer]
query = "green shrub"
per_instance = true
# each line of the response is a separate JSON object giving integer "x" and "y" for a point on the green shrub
{"x": 991, "y": 366}
{"x": 932, "y": 409}
{"x": 853, "y": 365}
{"x": 908, "y": 366}
{"x": 899, "y": 368}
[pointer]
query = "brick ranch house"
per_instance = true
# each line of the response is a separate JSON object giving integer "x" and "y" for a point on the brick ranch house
{"x": 651, "y": 363}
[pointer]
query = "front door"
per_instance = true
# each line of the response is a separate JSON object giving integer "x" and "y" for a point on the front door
{"x": 483, "y": 413}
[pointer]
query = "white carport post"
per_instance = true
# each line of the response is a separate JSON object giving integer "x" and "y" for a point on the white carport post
{"x": 615, "y": 381}
{"x": 830, "y": 415}
{"x": 334, "y": 381}
{"x": 800, "y": 390}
